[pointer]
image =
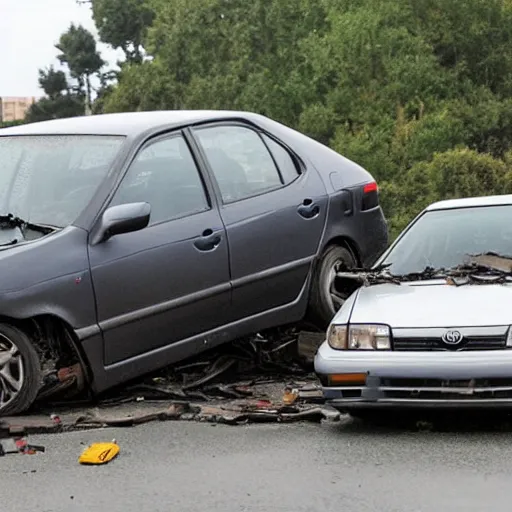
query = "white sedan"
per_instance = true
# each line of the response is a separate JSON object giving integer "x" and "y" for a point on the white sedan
{"x": 430, "y": 324}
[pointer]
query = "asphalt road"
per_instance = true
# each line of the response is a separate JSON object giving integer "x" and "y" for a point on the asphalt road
{"x": 178, "y": 466}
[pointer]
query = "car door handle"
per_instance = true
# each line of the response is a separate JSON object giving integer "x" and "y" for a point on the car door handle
{"x": 208, "y": 240}
{"x": 308, "y": 209}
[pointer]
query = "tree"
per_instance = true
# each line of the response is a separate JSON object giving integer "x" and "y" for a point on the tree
{"x": 470, "y": 36}
{"x": 455, "y": 173}
{"x": 418, "y": 92}
{"x": 225, "y": 54}
{"x": 53, "y": 82}
{"x": 78, "y": 51}
{"x": 106, "y": 88}
{"x": 60, "y": 100}
{"x": 123, "y": 24}
{"x": 68, "y": 105}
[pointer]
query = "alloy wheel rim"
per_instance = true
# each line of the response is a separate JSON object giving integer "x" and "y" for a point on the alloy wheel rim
{"x": 12, "y": 373}
{"x": 334, "y": 298}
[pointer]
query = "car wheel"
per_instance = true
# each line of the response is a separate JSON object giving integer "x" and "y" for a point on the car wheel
{"x": 20, "y": 371}
{"x": 324, "y": 300}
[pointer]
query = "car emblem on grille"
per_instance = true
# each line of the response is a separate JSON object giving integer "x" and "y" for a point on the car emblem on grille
{"x": 452, "y": 337}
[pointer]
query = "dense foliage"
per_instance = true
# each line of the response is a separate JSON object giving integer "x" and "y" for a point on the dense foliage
{"x": 417, "y": 91}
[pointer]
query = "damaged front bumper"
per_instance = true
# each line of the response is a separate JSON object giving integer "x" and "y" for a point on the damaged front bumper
{"x": 466, "y": 379}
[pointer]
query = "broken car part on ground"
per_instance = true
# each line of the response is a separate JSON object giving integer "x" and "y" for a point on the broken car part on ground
{"x": 12, "y": 445}
{"x": 120, "y": 266}
{"x": 430, "y": 326}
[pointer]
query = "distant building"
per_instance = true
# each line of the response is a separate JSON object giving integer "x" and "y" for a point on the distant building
{"x": 14, "y": 108}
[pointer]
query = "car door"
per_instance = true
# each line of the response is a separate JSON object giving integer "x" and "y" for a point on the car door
{"x": 274, "y": 211}
{"x": 170, "y": 280}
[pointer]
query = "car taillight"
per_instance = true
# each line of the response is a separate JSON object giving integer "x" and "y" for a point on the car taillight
{"x": 370, "y": 196}
{"x": 370, "y": 187}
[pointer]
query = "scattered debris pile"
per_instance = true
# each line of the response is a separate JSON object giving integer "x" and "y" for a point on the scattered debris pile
{"x": 244, "y": 369}
{"x": 488, "y": 268}
{"x": 267, "y": 378}
{"x": 244, "y": 412}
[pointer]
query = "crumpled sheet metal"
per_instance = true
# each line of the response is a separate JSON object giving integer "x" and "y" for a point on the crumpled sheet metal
{"x": 242, "y": 382}
{"x": 95, "y": 419}
{"x": 487, "y": 268}
{"x": 269, "y": 404}
{"x": 11, "y": 426}
{"x": 231, "y": 415}
{"x": 315, "y": 415}
{"x": 230, "y": 372}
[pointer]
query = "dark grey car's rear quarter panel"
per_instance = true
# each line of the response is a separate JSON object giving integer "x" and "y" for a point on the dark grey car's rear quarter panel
{"x": 367, "y": 230}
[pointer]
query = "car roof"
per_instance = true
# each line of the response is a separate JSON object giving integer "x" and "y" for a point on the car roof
{"x": 126, "y": 123}
{"x": 469, "y": 202}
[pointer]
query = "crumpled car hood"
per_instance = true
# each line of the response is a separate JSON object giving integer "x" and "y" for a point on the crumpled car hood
{"x": 434, "y": 304}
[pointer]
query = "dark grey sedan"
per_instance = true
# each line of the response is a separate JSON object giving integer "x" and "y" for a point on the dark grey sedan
{"x": 131, "y": 241}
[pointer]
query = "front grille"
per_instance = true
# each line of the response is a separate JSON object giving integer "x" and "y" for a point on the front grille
{"x": 415, "y": 382}
{"x": 436, "y": 344}
{"x": 399, "y": 389}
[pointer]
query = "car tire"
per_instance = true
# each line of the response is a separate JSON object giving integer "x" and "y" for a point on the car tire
{"x": 322, "y": 306}
{"x": 20, "y": 371}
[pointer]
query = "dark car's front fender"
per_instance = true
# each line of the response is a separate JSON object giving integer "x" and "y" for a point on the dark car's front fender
{"x": 49, "y": 276}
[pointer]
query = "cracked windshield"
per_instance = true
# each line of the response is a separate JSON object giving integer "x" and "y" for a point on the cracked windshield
{"x": 255, "y": 255}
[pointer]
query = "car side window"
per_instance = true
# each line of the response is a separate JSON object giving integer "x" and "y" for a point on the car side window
{"x": 240, "y": 161}
{"x": 286, "y": 164}
{"x": 164, "y": 174}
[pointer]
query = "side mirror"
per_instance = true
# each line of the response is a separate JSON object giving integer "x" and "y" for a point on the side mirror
{"x": 124, "y": 218}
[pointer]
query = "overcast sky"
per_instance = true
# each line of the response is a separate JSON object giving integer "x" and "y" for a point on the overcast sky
{"x": 29, "y": 30}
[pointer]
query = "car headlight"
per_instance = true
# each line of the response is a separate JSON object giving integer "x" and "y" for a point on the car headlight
{"x": 509, "y": 337}
{"x": 359, "y": 337}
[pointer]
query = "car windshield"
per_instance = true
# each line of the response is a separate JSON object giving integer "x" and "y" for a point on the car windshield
{"x": 444, "y": 239}
{"x": 50, "y": 179}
